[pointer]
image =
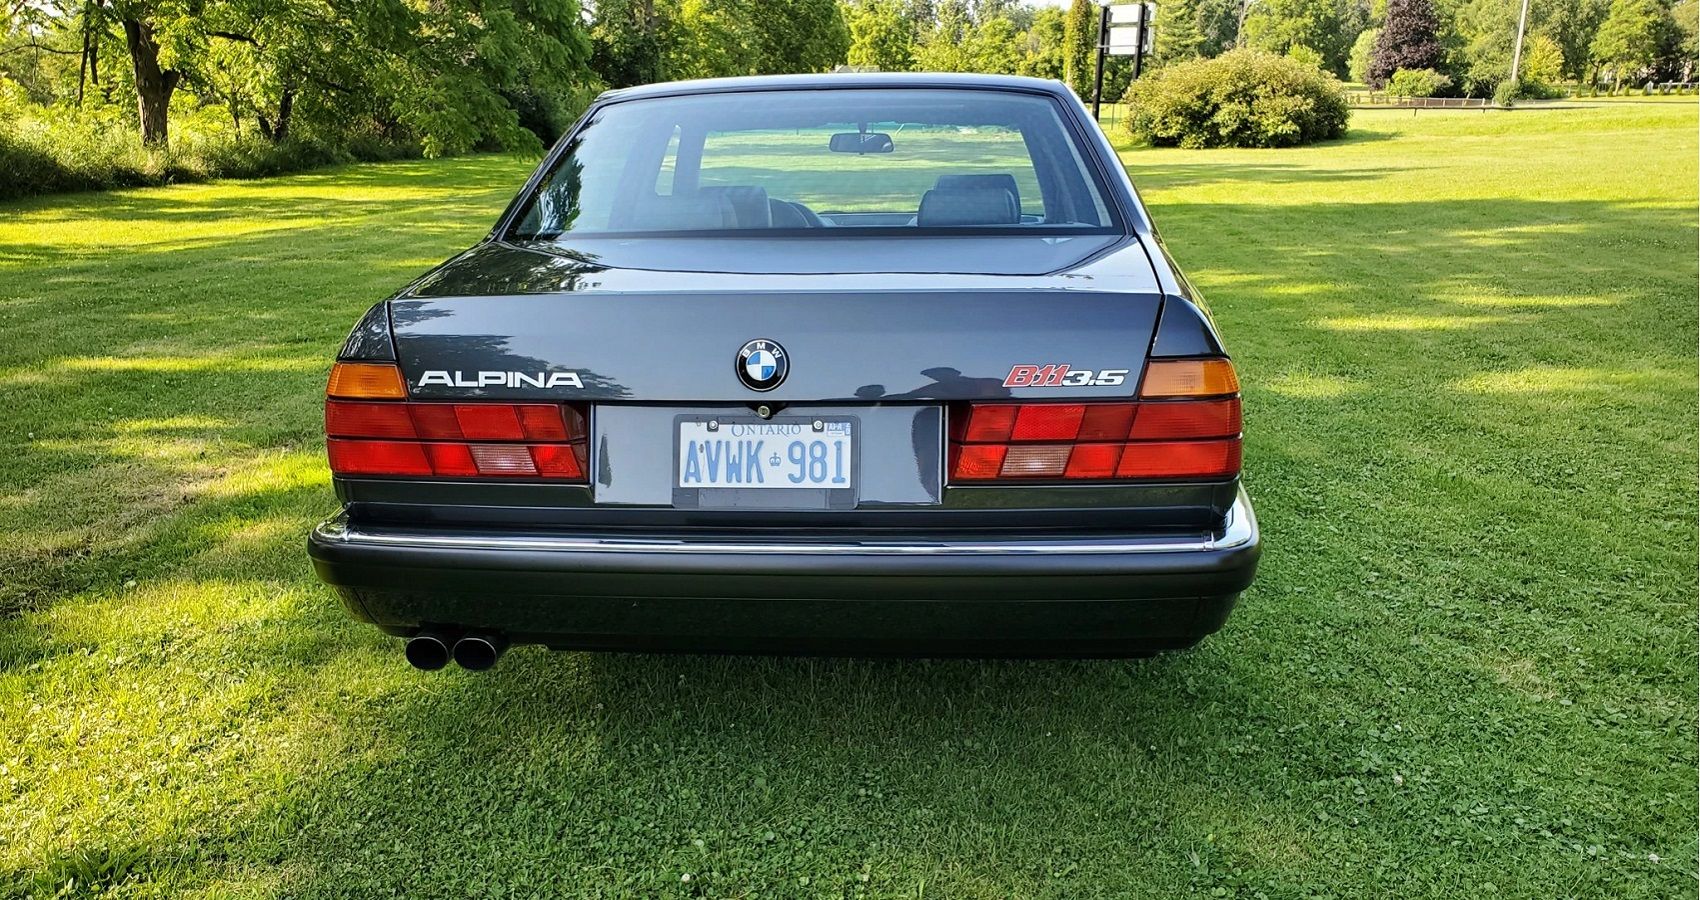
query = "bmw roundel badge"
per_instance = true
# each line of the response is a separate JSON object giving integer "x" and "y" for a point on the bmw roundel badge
{"x": 762, "y": 365}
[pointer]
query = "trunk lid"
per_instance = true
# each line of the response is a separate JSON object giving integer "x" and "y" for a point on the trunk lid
{"x": 561, "y": 327}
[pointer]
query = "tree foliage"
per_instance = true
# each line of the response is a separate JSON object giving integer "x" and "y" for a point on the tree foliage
{"x": 1280, "y": 25}
{"x": 1357, "y": 62}
{"x": 1189, "y": 29}
{"x": 1543, "y": 61}
{"x": 1629, "y": 39}
{"x": 1080, "y": 30}
{"x": 758, "y": 37}
{"x": 1409, "y": 39}
{"x": 451, "y": 75}
{"x": 881, "y": 35}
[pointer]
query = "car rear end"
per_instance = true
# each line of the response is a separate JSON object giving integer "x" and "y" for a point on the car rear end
{"x": 1019, "y": 442}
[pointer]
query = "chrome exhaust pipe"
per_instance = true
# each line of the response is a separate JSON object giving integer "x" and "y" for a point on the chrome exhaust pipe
{"x": 427, "y": 651}
{"x": 477, "y": 652}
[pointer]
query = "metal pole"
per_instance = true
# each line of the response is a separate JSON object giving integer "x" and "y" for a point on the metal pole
{"x": 1517, "y": 54}
{"x": 1139, "y": 46}
{"x": 1103, "y": 47}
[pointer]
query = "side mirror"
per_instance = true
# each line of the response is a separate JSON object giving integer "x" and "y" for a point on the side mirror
{"x": 862, "y": 142}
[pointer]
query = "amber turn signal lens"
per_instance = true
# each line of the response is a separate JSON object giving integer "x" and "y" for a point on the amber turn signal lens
{"x": 366, "y": 381}
{"x": 1189, "y": 378}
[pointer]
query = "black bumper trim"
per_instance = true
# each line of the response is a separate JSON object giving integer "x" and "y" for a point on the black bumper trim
{"x": 682, "y": 593}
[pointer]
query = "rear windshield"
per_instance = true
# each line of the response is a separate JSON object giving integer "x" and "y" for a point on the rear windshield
{"x": 805, "y": 162}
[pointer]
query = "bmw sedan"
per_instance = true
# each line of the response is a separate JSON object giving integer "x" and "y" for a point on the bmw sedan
{"x": 861, "y": 364}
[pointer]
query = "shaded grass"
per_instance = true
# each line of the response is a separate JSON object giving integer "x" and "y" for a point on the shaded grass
{"x": 1467, "y": 667}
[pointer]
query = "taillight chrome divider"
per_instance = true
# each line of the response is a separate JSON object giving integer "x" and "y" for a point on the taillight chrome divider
{"x": 1184, "y": 425}
{"x": 371, "y": 429}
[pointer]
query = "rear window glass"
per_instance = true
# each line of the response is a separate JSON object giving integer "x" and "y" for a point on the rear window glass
{"x": 919, "y": 161}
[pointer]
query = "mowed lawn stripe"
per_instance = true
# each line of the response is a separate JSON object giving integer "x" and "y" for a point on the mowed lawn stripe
{"x": 1467, "y": 668}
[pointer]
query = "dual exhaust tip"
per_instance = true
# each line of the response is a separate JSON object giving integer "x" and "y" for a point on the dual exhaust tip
{"x": 430, "y": 650}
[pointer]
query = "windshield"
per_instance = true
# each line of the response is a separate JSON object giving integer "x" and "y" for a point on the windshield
{"x": 913, "y": 160}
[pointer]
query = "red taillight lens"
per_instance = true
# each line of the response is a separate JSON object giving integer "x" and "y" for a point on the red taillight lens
{"x": 1159, "y": 437}
{"x": 1180, "y": 459}
{"x": 349, "y": 418}
{"x": 1048, "y": 422}
{"x": 378, "y": 457}
{"x": 1186, "y": 419}
{"x": 455, "y": 440}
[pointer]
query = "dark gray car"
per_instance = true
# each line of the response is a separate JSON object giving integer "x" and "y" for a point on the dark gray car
{"x": 838, "y": 364}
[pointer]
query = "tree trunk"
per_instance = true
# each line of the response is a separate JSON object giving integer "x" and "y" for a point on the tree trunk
{"x": 285, "y": 105}
{"x": 153, "y": 86}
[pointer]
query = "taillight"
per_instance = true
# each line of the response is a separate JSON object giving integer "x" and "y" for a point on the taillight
{"x": 379, "y": 381}
{"x": 1185, "y": 425}
{"x": 372, "y": 430}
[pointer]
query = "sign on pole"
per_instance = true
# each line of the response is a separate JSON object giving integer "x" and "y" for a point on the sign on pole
{"x": 1131, "y": 31}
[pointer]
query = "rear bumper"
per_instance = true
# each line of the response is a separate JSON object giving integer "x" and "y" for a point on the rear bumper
{"x": 1044, "y": 596}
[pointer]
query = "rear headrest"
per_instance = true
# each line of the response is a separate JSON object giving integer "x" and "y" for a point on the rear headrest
{"x": 749, "y": 204}
{"x": 941, "y": 207}
{"x": 980, "y": 182}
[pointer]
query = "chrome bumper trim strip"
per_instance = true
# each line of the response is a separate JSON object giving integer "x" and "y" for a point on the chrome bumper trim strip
{"x": 1238, "y": 530}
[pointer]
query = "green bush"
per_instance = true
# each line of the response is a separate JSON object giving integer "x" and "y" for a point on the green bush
{"x": 1506, "y": 93}
{"x": 58, "y": 148}
{"x": 1417, "y": 83}
{"x": 1243, "y": 98}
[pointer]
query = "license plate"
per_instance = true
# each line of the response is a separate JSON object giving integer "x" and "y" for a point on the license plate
{"x": 780, "y": 453}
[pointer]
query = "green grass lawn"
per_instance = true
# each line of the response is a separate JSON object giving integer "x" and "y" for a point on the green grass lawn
{"x": 1467, "y": 669}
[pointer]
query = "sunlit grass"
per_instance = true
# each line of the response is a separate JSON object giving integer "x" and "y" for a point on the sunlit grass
{"x": 1467, "y": 668}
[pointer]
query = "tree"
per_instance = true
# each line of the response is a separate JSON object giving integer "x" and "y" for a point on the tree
{"x": 944, "y": 46}
{"x": 1280, "y": 25}
{"x": 1543, "y": 61}
{"x": 881, "y": 36}
{"x": 1042, "y": 45}
{"x": 1178, "y": 34}
{"x": 1628, "y": 40}
{"x": 1408, "y": 40}
{"x": 1573, "y": 24}
{"x": 630, "y": 41}
{"x": 758, "y": 37}
{"x": 1483, "y": 32}
{"x": 1188, "y": 29}
{"x": 1079, "y": 33}
{"x": 994, "y": 47}
{"x": 1685, "y": 15}
{"x": 1357, "y": 62}
{"x": 155, "y": 79}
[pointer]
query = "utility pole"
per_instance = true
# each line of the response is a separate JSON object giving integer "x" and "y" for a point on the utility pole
{"x": 1517, "y": 54}
{"x": 1103, "y": 48}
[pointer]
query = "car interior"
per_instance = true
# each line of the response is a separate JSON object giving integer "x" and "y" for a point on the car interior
{"x": 731, "y": 164}
{"x": 958, "y": 199}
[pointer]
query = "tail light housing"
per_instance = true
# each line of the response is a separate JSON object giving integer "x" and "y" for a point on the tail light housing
{"x": 1184, "y": 426}
{"x": 372, "y": 430}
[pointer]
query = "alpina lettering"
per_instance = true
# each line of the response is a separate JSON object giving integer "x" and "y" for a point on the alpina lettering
{"x": 501, "y": 379}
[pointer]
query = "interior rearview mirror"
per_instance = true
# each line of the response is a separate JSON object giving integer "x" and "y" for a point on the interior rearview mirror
{"x": 862, "y": 142}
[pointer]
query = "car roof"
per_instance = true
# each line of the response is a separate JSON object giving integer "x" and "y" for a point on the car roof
{"x": 838, "y": 80}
